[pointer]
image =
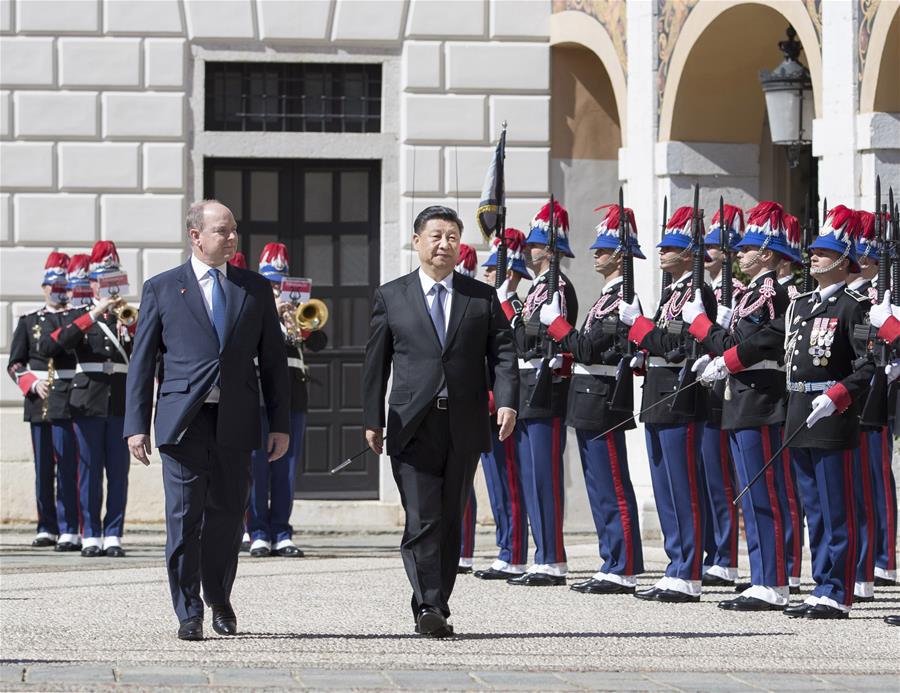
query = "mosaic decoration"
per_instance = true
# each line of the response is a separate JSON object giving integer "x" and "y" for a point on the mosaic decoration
{"x": 611, "y": 16}
{"x": 867, "y": 11}
{"x": 814, "y": 9}
{"x": 671, "y": 16}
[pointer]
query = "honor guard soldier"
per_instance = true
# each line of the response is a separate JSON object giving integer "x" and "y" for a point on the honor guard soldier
{"x": 272, "y": 488}
{"x": 502, "y": 472}
{"x": 101, "y": 338}
{"x": 785, "y": 270}
{"x": 540, "y": 430}
{"x": 753, "y": 407}
{"x": 673, "y": 435}
{"x": 598, "y": 349}
{"x": 721, "y": 530}
{"x": 876, "y": 496}
{"x": 44, "y": 383}
{"x": 467, "y": 266}
{"x": 827, "y": 374}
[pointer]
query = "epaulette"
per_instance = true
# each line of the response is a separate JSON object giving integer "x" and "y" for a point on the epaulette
{"x": 34, "y": 312}
{"x": 856, "y": 295}
{"x": 799, "y": 296}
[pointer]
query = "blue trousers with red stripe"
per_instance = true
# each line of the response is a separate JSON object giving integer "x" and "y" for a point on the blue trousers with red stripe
{"x": 101, "y": 448}
{"x": 504, "y": 484}
{"x": 721, "y": 530}
{"x": 879, "y": 446}
{"x": 794, "y": 522}
{"x": 765, "y": 506}
{"x": 470, "y": 515}
{"x": 540, "y": 444}
{"x": 272, "y": 486}
{"x": 674, "y": 452}
{"x": 55, "y": 467}
{"x": 825, "y": 478}
{"x": 611, "y": 497}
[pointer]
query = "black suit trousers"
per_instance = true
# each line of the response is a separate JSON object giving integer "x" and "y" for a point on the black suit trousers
{"x": 207, "y": 487}
{"x": 434, "y": 482}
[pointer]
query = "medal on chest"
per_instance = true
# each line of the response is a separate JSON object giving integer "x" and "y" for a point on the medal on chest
{"x": 820, "y": 340}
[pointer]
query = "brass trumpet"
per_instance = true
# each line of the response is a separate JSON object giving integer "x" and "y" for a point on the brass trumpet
{"x": 312, "y": 315}
{"x": 125, "y": 313}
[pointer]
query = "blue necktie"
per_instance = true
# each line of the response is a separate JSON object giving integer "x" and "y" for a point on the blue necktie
{"x": 218, "y": 306}
{"x": 437, "y": 312}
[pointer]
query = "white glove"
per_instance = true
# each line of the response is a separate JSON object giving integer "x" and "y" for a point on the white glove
{"x": 693, "y": 309}
{"x": 880, "y": 312}
{"x": 637, "y": 361}
{"x": 822, "y": 406}
{"x": 555, "y": 362}
{"x": 723, "y": 316}
{"x": 503, "y": 291}
{"x": 892, "y": 370}
{"x": 701, "y": 363}
{"x": 629, "y": 312}
{"x": 550, "y": 311}
{"x": 716, "y": 370}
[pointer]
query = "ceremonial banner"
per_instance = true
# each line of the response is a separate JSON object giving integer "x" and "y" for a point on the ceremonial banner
{"x": 113, "y": 284}
{"x": 493, "y": 196}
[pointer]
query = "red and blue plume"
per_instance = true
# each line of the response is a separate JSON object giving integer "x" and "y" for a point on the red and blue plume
{"x": 841, "y": 222}
{"x": 767, "y": 217}
{"x": 273, "y": 261}
{"x": 104, "y": 259}
{"x": 468, "y": 260}
{"x": 734, "y": 218}
{"x": 560, "y": 218}
{"x": 515, "y": 244}
{"x": 792, "y": 230}
{"x": 680, "y": 221}
{"x": 609, "y": 224}
{"x": 239, "y": 260}
{"x": 78, "y": 270}
{"x": 55, "y": 268}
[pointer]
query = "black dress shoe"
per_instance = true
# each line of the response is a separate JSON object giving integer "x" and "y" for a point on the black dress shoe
{"x": 191, "y": 629}
{"x": 115, "y": 552}
{"x": 67, "y": 546}
{"x": 676, "y": 597}
{"x": 245, "y": 546}
{"x": 798, "y": 610}
{"x": 43, "y": 542}
{"x": 91, "y": 551}
{"x": 288, "y": 552}
{"x": 748, "y": 604}
{"x": 463, "y": 569}
{"x": 821, "y": 611}
{"x": 892, "y": 620}
{"x": 885, "y": 582}
{"x": 594, "y": 586}
{"x": 740, "y": 587}
{"x": 260, "y": 552}
{"x": 648, "y": 595}
{"x": 794, "y": 589}
{"x": 224, "y": 622}
{"x": 492, "y": 574}
{"x": 864, "y": 599}
{"x": 431, "y": 622}
{"x": 710, "y": 580}
{"x": 537, "y": 580}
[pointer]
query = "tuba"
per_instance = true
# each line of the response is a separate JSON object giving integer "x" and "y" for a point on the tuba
{"x": 312, "y": 315}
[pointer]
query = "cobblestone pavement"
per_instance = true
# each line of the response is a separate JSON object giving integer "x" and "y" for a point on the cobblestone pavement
{"x": 338, "y": 620}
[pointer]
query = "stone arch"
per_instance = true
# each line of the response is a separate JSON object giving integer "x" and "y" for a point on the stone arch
{"x": 880, "y": 89}
{"x": 694, "y": 34}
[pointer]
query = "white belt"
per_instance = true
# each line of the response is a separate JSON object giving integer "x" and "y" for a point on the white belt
{"x": 581, "y": 369}
{"x": 660, "y": 362}
{"x": 529, "y": 365}
{"x": 295, "y": 362}
{"x": 764, "y": 366}
{"x": 64, "y": 373}
{"x": 107, "y": 367}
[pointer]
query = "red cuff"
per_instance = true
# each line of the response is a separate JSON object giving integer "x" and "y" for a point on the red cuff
{"x": 733, "y": 361}
{"x": 55, "y": 334}
{"x": 890, "y": 330}
{"x": 559, "y": 328}
{"x": 25, "y": 381}
{"x": 840, "y": 395}
{"x": 700, "y": 327}
{"x": 84, "y": 322}
{"x": 565, "y": 370}
{"x": 508, "y": 310}
{"x": 641, "y": 328}
{"x": 492, "y": 406}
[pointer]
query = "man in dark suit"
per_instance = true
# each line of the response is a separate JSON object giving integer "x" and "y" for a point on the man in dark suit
{"x": 437, "y": 329}
{"x": 201, "y": 325}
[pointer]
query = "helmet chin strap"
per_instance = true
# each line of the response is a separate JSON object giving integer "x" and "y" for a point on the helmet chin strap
{"x": 614, "y": 258}
{"x": 833, "y": 265}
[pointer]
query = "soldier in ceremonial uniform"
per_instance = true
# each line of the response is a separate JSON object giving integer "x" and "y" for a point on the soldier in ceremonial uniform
{"x": 597, "y": 350}
{"x": 721, "y": 531}
{"x": 826, "y": 379}
{"x": 102, "y": 345}
{"x": 502, "y": 472}
{"x": 673, "y": 437}
{"x": 44, "y": 383}
{"x": 540, "y": 431}
{"x": 754, "y": 407}
{"x": 272, "y": 487}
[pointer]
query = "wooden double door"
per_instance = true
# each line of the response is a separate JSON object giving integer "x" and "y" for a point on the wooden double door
{"x": 327, "y": 214}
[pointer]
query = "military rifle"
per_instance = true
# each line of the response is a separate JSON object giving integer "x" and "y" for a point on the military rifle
{"x": 623, "y": 393}
{"x": 666, "y": 276}
{"x": 725, "y": 240}
{"x": 541, "y": 395}
{"x": 875, "y": 409}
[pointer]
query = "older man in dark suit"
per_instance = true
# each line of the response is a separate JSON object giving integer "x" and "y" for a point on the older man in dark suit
{"x": 201, "y": 325}
{"x": 438, "y": 330}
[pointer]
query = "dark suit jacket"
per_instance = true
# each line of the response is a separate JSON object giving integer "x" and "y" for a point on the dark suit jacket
{"x": 175, "y": 331}
{"x": 401, "y": 335}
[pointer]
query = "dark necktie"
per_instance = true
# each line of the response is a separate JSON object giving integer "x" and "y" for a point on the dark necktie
{"x": 437, "y": 312}
{"x": 218, "y": 306}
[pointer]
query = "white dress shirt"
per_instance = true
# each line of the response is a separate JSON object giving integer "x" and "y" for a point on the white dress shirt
{"x": 201, "y": 271}
{"x": 447, "y": 297}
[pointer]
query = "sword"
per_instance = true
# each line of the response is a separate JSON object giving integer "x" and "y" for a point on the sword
{"x": 346, "y": 463}
{"x": 769, "y": 463}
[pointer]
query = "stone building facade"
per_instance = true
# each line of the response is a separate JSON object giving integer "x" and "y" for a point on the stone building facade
{"x": 104, "y": 134}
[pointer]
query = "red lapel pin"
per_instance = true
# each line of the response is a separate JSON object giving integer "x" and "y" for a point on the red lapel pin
{"x": 183, "y": 290}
